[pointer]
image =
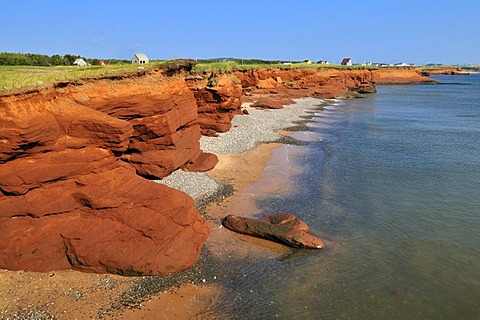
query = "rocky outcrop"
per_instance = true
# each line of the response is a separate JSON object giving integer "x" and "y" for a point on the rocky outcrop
{"x": 70, "y": 193}
{"x": 87, "y": 210}
{"x": 399, "y": 75}
{"x": 284, "y": 228}
{"x": 163, "y": 115}
{"x": 218, "y": 100}
{"x": 444, "y": 71}
{"x": 219, "y": 96}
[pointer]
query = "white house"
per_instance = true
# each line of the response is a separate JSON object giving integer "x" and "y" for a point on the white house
{"x": 80, "y": 62}
{"x": 346, "y": 62}
{"x": 140, "y": 58}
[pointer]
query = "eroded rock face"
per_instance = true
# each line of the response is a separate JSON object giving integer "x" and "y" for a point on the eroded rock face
{"x": 283, "y": 228}
{"x": 324, "y": 83}
{"x": 296, "y": 83}
{"x": 271, "y": 103}
{"x": 405, "y": 75}
{"x": 219, "y": 100}
{"x": 93, "y": 213}
{"x": 164, "y": 118}
{"x": 70, "y": 195}
{"x": 219, "y": 97}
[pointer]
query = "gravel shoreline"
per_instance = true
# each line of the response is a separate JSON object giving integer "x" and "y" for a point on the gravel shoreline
{"x": 248, "y": 131}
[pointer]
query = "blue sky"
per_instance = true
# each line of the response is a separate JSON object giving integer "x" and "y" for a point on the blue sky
{"x": 430, "y": 31}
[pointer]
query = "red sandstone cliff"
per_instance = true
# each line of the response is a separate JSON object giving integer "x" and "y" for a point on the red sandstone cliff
{"x": 71, "y": 196}
{"x": 405, "y": 75}
{"x": 445, "y": 71}
{"x": 72, "y": 157}
{"x": 218, "y": 100}
{"x": 269, "y": 88}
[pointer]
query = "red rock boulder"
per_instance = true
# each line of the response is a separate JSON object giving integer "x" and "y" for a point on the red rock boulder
{"x": 268, "y": 103}
{"x": 106, "y": 219}
{"x": 283, "y": 228}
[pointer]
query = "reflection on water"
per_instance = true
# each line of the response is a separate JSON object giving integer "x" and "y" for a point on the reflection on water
{"x": 392, "y": 183}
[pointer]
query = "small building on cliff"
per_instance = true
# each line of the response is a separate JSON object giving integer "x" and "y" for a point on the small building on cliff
{"x": 80, "y": 62}
{"x": 346, "y": 62}
{"x": 140, "y": 58}
{"x": 403, "y": 64}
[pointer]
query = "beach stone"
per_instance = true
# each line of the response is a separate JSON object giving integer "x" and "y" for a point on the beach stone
{"x": 268, "y": 103}
{"x": 284, "y": 228}
{"x": 287, "y": 219}
{"x": 205, "y": 162}
{"x": 268, "y": 83}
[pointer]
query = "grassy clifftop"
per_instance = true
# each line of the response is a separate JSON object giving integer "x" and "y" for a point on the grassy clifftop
{"x": 15, "y": 77}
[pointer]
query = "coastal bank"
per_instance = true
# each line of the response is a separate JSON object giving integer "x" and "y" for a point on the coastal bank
{"x": 75, "y": 158}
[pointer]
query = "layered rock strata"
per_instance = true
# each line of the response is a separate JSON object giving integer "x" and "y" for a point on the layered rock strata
{"x": 400, "y": 75}
{"x": 219, "y": 96}
{"x": 218, "y": 100}
{"x": 267, "y": 88}
{"x": 445, "y": 71}
{"x": 71, "y": 191}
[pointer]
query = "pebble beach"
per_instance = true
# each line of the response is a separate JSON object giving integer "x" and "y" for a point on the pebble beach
{"x": 247, "y": 132}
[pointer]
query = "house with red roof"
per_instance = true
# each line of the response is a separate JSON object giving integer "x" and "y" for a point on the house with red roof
{"x": 346, "y": 62}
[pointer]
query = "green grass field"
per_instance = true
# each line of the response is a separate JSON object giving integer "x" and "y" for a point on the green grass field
{"x": 14, "y": 77}
{"x": 227, "y": 66}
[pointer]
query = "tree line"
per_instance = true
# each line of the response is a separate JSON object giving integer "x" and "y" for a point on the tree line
{"x": 35, "y": 59}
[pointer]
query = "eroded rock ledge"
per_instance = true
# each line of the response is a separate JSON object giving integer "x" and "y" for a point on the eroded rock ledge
{"x": 74, "y": 159}
{"x": 71, "y": 167}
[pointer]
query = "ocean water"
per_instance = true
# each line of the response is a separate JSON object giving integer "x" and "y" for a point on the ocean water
{"x": 392, "y": 183}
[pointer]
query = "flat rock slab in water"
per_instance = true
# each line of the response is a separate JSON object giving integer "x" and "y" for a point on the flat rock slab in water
{"x": 284, "y": 228}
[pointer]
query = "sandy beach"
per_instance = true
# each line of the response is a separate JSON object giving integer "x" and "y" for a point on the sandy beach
{"x": 250, "y": 155}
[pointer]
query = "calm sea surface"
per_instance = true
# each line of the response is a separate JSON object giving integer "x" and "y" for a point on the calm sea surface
{"x": 393, "y": 184}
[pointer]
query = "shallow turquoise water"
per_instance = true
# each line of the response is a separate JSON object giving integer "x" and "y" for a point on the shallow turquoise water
{"x": 392, "y": 182}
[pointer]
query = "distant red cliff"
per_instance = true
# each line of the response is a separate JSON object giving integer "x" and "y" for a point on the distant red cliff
{"x": 444, "y": 71}
{"x": 400, "y": 75}
{"x": 74, "y": 158}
